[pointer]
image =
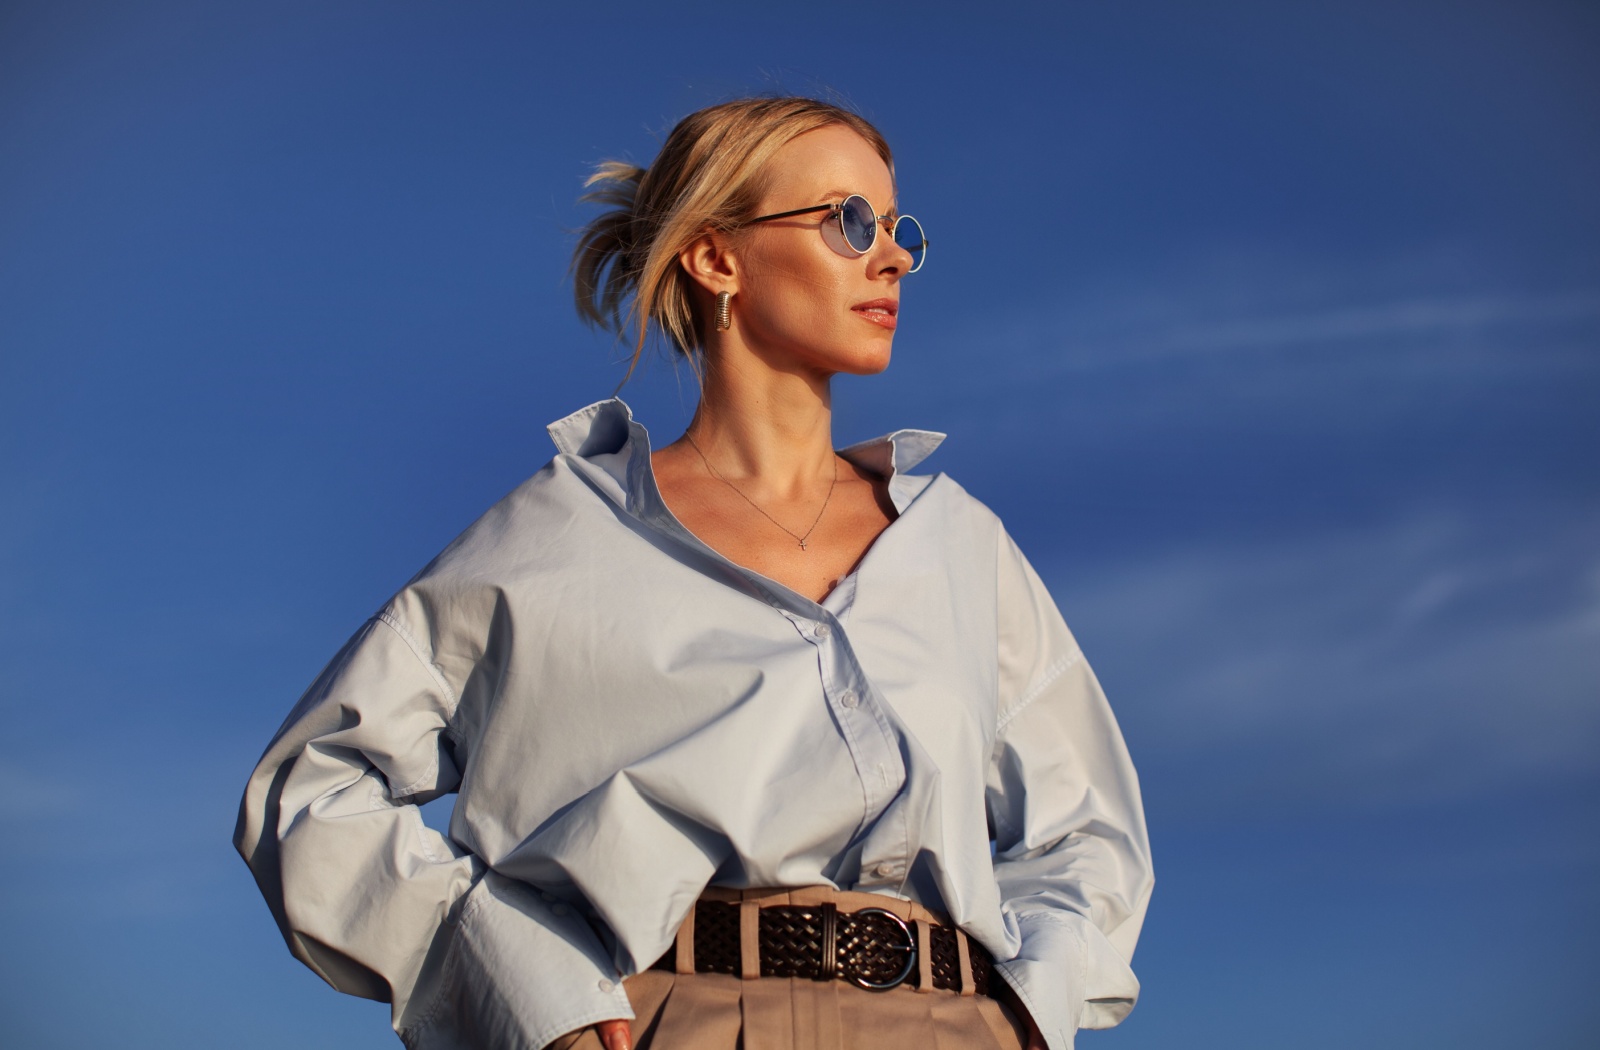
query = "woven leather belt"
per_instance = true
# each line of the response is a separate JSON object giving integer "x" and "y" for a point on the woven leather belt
{"x": 872, "y": 948}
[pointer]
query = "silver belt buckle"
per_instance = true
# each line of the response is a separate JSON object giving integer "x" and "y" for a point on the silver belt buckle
{"x": 860, "y": 979}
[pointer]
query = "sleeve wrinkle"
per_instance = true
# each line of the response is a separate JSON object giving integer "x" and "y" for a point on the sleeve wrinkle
{"x": 1071, "y": 856}
{"x": 378, "y": 903}
{"x": 426, "y": 777}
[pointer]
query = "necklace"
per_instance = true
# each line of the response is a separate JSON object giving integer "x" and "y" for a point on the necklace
{"x": 798, "y": 538}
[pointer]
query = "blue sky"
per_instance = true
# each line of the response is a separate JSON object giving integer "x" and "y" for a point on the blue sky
{"x": 1271, "y": 330}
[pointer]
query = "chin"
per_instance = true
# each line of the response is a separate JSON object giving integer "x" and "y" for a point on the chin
{"x": 880, "y": 363}
{"x": 863, "y": 361}
{"x": 842, "y": 353}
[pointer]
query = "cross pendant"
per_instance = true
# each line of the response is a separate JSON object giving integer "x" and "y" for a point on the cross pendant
{"x": 802, "y": 544}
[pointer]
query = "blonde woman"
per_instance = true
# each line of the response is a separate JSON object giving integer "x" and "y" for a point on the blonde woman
{"x": 758, "y": 743}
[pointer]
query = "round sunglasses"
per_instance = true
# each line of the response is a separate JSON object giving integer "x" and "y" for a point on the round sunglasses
{"x": 857, "y": 230}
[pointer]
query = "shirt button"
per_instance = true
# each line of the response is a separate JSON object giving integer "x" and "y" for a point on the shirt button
{"x": 848, "y": 698}
{"x": 560, "y": 909}
{"x": 883, "y": 869}
{"x": 549, "y": 897}
{"x": 821, "y": 630}
{"x": 605, "y": 985}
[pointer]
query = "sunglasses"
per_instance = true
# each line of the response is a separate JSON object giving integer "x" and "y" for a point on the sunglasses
{"x": 857, "y": 228}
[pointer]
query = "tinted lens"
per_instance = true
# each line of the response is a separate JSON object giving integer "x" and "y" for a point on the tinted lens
{"x": 858, "y": 223}
{"x": 908, "y": 235}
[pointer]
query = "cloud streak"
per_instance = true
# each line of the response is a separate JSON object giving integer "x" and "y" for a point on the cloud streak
{"x": 1542, "y": 330}
{"x": 1417, "y": 319}
{"x": 1439, "y": 656}
{"x": 27, "y": 795}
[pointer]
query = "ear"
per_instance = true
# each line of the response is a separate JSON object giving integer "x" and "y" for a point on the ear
{"x": 711, "y": 263}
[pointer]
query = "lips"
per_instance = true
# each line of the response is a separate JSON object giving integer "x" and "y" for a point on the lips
{"x": 880, "y": 312}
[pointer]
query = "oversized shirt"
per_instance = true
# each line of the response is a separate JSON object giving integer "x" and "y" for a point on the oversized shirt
{"x": 628, "y": 716}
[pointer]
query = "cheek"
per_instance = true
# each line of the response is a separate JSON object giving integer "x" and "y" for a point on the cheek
{"x": 802, "y": 296}
{"x": 804, "y": 313}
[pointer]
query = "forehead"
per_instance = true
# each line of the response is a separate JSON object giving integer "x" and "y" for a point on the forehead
{"x": 827, "y": 160}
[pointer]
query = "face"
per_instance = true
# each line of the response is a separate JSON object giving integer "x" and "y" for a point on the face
{"x": 797, "y": 300}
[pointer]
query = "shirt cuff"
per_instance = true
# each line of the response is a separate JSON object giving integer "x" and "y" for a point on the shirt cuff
{"x": 1069, "y": 976}
{"x": 521, "y": 971}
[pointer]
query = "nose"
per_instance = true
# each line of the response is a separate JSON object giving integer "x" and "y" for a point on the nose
{"x": 889, "y": 256}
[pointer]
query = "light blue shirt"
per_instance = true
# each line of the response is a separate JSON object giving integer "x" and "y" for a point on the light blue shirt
{"x": 628, "y": 717}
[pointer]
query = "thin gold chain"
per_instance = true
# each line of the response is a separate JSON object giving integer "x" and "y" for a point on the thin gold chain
{"x": 798, "y": 538}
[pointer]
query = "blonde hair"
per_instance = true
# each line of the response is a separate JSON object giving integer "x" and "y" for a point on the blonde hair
{"x": 709, "y": 176}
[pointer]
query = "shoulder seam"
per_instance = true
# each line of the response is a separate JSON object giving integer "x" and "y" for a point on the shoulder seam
{"x": 1057, "y": 668}
{"x": 393, "y": 623}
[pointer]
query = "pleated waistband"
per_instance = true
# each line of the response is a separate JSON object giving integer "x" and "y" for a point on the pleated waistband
{"x": 679, "y": 1009}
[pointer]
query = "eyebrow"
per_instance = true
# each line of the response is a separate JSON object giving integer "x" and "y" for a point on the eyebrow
{"x": 894, "y": 202}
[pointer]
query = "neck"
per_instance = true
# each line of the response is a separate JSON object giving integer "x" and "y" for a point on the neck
{"x": 770, "y": 427}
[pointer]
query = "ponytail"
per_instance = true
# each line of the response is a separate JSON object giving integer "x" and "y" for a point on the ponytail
{"x": 608, "y": 242}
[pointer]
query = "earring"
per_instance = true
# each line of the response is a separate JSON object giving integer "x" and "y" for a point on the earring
{"x": 724, "y": 322}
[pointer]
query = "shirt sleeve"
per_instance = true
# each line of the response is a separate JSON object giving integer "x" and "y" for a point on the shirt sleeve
{"x": 1072, "y": 858}
{"x": 382, "y": 906}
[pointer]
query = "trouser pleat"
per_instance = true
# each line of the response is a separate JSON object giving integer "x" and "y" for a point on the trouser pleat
{"x": 816, "y": 1016}
{"x": 967, "y": 1022}
{"x": 721, "y": 1012}
{"x": 701, "y": 1009}
{"x": 769, "y": 1013}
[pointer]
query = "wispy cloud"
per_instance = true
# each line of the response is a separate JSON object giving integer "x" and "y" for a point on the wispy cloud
{"x": 1438, "y": 656}
{"x": 1222, "y": 303}
{"x": 1415, "y": 318}
{"x": 1560, "y": 329}
{"x": 1107, "y": 374}
{"x": 31, "y": 794}
{"x": 77, "y": 837}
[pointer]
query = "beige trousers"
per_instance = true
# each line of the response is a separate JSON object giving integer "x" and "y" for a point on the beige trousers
{"x": 713, "y": 1011}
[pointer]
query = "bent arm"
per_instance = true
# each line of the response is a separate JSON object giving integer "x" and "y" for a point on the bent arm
{"x": 380, "y": 905}
{"x": 1072, "y": 858}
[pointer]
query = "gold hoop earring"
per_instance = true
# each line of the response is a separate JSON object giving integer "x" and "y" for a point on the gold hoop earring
{"x": 724, "y": 321}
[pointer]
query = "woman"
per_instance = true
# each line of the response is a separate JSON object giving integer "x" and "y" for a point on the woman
{"x": 756, "y": 743}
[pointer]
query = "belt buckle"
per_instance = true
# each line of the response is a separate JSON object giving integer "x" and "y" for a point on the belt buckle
{"x": 852, "y": 961}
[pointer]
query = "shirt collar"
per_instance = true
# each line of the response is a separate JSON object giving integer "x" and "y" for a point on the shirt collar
{"x": 605, "y": 427}
{"x": 596, "y": 429}
{"x": 609, "y": 447}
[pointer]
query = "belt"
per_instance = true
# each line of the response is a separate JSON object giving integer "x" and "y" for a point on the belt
{"x": 869, "y": 947}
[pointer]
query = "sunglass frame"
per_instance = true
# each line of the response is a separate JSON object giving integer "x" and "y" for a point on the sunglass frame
{"x": 917, "y": 259}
